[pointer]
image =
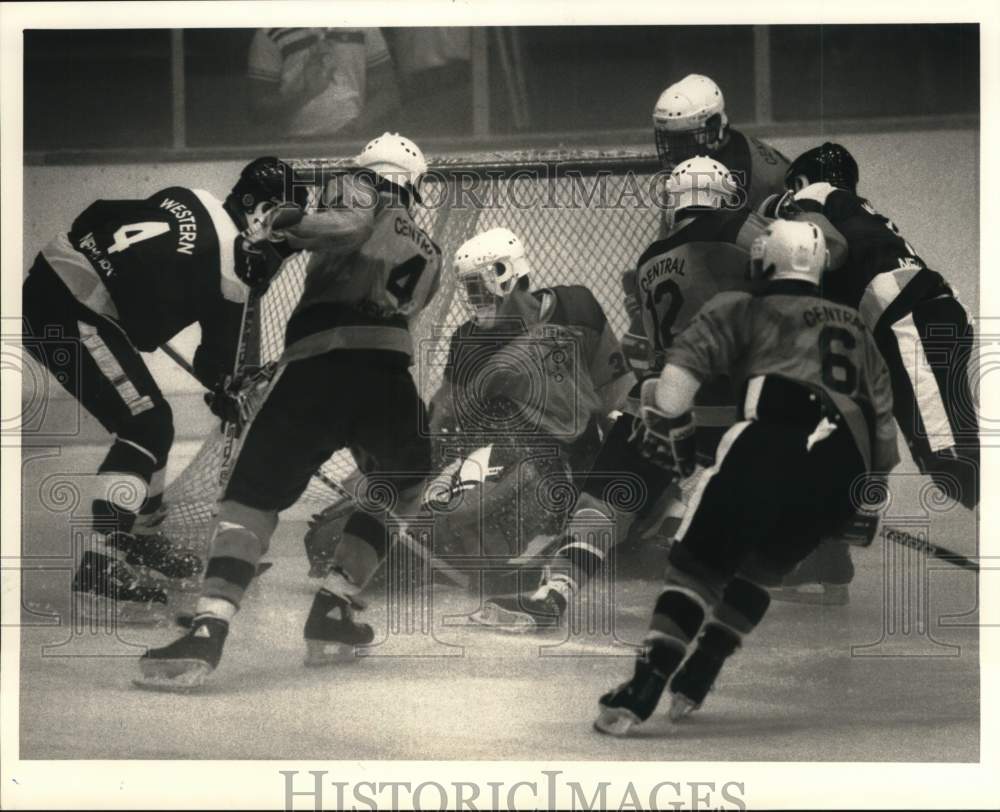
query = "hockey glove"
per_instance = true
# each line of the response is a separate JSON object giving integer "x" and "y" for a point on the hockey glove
{"x": 870, "y": 500}
{"x": 665, "y": 441}
{"x": 225, "y": 402}
{"x": 259, "y": 252}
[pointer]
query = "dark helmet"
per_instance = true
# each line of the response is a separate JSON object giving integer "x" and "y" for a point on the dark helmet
{"x": 265, "y": 180}
{"x": 830, "y": 163}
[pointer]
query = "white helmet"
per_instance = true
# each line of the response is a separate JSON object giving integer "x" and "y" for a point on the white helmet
{"x": 396, "y": 159}
{"x": 699, "y": 182}
{"x": 488, "y": 267}
{"x": 689, "y": 119}
{"x": 790, "y": 249}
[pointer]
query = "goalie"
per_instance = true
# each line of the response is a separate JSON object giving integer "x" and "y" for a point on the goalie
{"x": 527, "y": 391}
{"x": 127, "y": 277}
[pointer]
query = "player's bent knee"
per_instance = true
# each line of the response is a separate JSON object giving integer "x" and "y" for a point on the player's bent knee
{"x": 243, "y": 532}
{"x": 678, "y": 613}
{"x": 685, "y": 571}
{"x": 151, "y": 430}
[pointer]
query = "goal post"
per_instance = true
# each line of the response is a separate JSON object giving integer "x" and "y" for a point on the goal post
{"x": 584, "y": 218}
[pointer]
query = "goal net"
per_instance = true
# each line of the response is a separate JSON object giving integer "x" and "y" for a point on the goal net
{"x": 584, "y": 218}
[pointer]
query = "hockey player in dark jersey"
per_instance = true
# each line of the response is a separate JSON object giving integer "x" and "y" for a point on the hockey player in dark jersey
{"x": 816, "y": 420}
{"x": 126, "y": 278}
{"x": 689, "y": 120}
{"x": 921, "y": 328}
{"x": 705, "y": 252}
{"x": 343, "y": 382}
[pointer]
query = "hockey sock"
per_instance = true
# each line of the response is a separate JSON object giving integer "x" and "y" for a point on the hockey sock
{"x": 217, "y": 608}
{"x": 227, "y": 578}
{"x": 742, "y": 607}
{"x": 358, "y": 555}
{"x": 677, "y": 617}
{"x": 122, "y": 485}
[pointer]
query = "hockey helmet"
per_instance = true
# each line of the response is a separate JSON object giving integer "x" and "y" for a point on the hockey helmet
{"x": 699, "y": 183}
{"x": 789, "y": 249}
{"x": 689, "y": 119}
{"x": 830, "y": 163}
{"x": 267, "y": 181}
{"x": 489, "y": 266}
{"x": 395, "y": 159}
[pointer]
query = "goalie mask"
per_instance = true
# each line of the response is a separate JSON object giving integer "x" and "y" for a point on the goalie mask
{"x": 699, "y": 184}
{"x": 689, "y": 119}
{"x": 828, "y": 163}
{"x": 789, "y": 249}
{"x": 395, "y": 159}
{"x": 489, "y": 267}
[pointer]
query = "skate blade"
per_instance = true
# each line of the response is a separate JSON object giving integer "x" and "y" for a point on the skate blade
{"x": 504, "y": 620}
{"x": 102, "y": 609}
{"x": 322, "y": 652}
{"x": 172, "y": 676}
{"x": 616, "y": 721}
{"x": 681, "y": 707}
{"x": 837, "y": 596}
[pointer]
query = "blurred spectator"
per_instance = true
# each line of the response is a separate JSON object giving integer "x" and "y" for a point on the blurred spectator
{"x": 307, "y": 82}
{"x": 436, "y": 76}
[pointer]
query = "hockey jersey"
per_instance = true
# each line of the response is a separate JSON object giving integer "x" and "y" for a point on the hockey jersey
{"x": 559, "y": 367}
{"x": 156, "y": 266}
{"x": 365, "y": 298}
{"x": 882, "y": 272}
{"x": 789, "y": 332}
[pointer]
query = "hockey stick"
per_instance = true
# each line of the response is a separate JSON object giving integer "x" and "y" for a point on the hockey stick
{"x": 179, "y": 359}
{"x": 935, "y": 550}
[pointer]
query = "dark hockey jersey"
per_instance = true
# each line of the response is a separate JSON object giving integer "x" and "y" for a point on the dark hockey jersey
{"x": 882, "y": 271}
{"x": 558, "y": 368}
{"x": 156, "y": 266}
{"x": 788, "y": 331}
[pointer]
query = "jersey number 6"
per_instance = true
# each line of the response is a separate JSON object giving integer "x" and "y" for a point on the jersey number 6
{"x": 839, "y": 372}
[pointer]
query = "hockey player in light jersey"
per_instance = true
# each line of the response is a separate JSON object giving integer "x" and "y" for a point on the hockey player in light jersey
{"x": 689, "y": 119}
{"x": 816, "y": 418}
{"x": 704, "y": 253}
{"x": 343, "y": 381}
{"x": 127, "y": 277}
{"x": 920, "y": 327}
{"x": 533, "y": 375}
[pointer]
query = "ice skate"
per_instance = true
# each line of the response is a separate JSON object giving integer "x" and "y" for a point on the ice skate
{"x": 331, "y": 632}
{"x": 106, "y": 589}
{"x": 156, "y": 552}
{"x": 521, "y": 612}
{"x": 632, "y": 702}
{"x": 692, "y": 684}
{"x": 185, "y": 664}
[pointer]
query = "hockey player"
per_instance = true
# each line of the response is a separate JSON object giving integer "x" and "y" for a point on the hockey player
{"x": 816, "y": 416}
{"x": 689, "y": 119}
{"x": 704, "y": 253}
{"x": 534, "y": 374}
{"x": 920, "y": 327}
{"x": 343, "y": 382}
{"x": 125, "y": 278}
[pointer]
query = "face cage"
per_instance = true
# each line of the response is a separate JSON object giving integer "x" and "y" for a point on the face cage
{"x": 674, "y": 148}
{"x": 479, "y": 297}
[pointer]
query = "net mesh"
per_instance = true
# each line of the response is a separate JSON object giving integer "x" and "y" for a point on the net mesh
{"x": 584, "y": 218}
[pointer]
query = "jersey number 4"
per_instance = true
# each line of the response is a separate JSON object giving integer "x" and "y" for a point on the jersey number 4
{"x": 136, "y": 232}
{"x": 403, "y": 279}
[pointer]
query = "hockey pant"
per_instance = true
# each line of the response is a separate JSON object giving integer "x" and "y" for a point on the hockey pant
{"x": 362, "y": 400}
{"x": 928, "y": 352}
{"x": 93, "y": 359}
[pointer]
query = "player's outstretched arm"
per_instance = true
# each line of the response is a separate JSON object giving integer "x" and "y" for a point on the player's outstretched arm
{"x": 343, "y": 225}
